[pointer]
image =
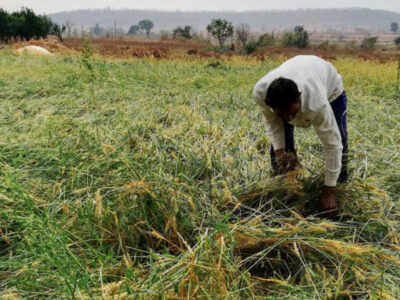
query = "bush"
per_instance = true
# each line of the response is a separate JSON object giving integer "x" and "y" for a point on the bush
{"x": 397, "y": 41}
{"x": 266, "y": 40}
{"x": 298, "y": 38}
{"x": 369, "y": 43}
{"x": 185, "y": 32}
{"x": 134, "y": 29}
{"x": 251, "y": 47}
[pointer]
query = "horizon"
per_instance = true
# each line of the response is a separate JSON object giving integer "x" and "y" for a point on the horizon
{"x": 52, "y": 7}
{"x": 226, "y": 10}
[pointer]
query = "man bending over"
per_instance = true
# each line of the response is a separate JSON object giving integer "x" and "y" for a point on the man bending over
{"x": 306, "y": 90}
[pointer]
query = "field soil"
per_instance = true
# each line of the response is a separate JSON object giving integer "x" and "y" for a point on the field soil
{"x": 174, "y": 48}
{"x": 168, "y": 49}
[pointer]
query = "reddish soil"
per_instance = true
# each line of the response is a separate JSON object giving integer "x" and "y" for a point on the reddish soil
{"x": 135, "y": 48}
{"x": 125, "y": 48}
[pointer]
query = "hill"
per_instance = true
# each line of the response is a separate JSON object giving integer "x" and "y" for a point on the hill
{"x": 347, "y": 19}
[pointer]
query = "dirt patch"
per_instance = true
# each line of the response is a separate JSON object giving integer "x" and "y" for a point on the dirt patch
{"x": 136, "y": 48}
{"x": 51, "y": 43}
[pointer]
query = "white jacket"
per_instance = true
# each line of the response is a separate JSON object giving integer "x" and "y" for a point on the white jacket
{"x": 319, "y": 84}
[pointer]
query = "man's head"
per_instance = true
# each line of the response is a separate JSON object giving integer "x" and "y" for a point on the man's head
{"x": 283, "y": 97}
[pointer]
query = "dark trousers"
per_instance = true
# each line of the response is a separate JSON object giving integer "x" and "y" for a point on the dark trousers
{"x": 339, "y": 107}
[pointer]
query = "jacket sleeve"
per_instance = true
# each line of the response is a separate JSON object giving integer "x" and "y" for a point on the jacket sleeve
{"x": 327, "y": 130}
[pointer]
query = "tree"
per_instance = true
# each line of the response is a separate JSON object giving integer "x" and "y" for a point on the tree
{"x": 97, "y": 30}
{"x": 369, "y": 42}
{"x": 69, "y": 25}
{"x": 146, "y": 25}
{"x": 25, "y": 24}
{"x": 243, "y": 34}
{"x": 185, "y": 32}
{"x": 134, "y": 29}
{"x": 5, "y": 26}
{"x": 394, "y": 27}
{"x": 221, "y": 30}
{"x": 397, "y": 41}
{"x": 58, "y": 31}
{"x": 298, "y": 38}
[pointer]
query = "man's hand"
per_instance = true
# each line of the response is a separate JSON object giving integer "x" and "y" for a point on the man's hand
{"x": 328, "y": 199}
{"x": 287, "y": 161}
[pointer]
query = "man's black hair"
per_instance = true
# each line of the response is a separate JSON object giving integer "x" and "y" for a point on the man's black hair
{"x": 281, "y": 93}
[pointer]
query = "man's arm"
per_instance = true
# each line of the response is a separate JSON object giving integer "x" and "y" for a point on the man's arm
{"x": 327, "y": 129}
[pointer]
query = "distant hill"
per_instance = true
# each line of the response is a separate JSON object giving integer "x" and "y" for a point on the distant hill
{"x": 314, "y": 19}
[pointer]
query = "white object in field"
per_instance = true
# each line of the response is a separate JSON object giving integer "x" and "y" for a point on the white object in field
{"x": 34, "y": 50}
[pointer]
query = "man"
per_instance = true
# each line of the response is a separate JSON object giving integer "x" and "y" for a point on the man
{"x": 306, "y": 90}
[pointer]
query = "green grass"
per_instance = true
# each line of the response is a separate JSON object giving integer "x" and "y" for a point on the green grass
{"x": 151, "y": 179}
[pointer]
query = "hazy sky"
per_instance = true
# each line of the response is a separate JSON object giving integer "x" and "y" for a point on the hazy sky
{"x": 50, "y": 6}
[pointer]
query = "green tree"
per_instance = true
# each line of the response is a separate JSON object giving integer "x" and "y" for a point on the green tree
{"x": 5, "y": 26}
{"x": 185, "y": 32}
{"x": 394, "y": 27}
{"x": 221, "y": 30}
{"x": 17, "y": 21}
{"x": 25, "y": 24}
{"x": 298, "y": 38}
{"x": 146, "y": 25}
{"x": 134, "y": 29}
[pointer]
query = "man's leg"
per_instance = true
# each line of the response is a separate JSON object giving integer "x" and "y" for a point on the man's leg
{"x": 289, "y": 147}
{"x": 339, "y": 107}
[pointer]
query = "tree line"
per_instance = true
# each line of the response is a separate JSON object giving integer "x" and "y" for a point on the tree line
{"x": 26, "y": 25}
{"x": 321, "y": 19}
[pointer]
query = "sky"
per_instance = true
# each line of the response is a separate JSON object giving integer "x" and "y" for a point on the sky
{"x": 51, "y": 6}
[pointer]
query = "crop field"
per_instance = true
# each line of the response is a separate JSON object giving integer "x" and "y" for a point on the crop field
{"x": 146, "y": 178}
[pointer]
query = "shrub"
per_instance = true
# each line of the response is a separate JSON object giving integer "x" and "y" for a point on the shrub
{"x": 369, "y": 42}
{"x": 298, "y": 38}
{"x": 185, "y": 32}
{"x": 133, "y": 30}
{"x": 251, "y": 47}
{"x": 397, "y": 41}
{"x": 266, "y": 40}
